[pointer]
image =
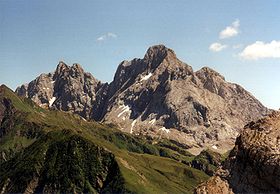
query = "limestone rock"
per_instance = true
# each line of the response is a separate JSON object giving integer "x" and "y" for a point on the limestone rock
{"x": 253, "y": 166}
{"x": 214, "y": 185}
{"x": 69, "y": 88}
{"x": 158, "y": 96}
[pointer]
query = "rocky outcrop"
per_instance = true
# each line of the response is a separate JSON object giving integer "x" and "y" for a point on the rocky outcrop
{"x": 253, "y": 166}
{"x": 214, "y": 185}
{"x": 157, "y": 96}
{"x": 69, "y": 88}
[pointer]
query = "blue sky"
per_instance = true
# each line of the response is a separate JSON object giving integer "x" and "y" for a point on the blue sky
{"x": 239, "y": 39}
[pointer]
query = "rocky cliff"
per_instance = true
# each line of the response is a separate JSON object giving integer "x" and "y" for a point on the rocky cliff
{"x": 157, "y": 96}
{"x": 253, "y": 166}
{"x": 160, "y": 96}
{"x": 69, "y": 88}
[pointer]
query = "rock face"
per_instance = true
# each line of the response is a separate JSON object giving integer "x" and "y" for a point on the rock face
{"x": 253, "y": 166}
{"x": 214, "y": 185}
{"x": 162, "y": 96}
{"x": 68, "y": 89}
{"x": 157, "y": 96}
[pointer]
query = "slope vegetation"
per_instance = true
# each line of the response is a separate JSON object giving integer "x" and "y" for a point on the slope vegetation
{"x": 53, "y": 151}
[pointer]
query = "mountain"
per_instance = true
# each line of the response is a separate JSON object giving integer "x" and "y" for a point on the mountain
{"x": 162, "y": 96}
{"x": 158, "y": 96}
{"x": 69, "y": 88}
{"x": 49, "y": 151}
{"x": 253, "y": 166}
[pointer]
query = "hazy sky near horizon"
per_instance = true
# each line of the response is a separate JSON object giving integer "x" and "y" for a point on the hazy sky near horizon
{"x": 239, "y": 39}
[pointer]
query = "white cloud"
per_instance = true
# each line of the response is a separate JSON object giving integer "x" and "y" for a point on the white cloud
{"x": 110, "y": 34}
{"x": 101, "y": 38}
{"x": 216, "y": 47}
{"x": 231, "y": 30}
{"x": 259, "y": 50}
{"x": 106, "y": 36}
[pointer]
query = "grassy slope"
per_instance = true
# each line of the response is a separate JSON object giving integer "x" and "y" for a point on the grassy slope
{"x": 143, "y": 169}
{"x": 64, "y": 162}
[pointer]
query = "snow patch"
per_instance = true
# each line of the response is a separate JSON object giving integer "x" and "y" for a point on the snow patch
{"x": 146, "y": 77}
{"x": 132, "y": 125}
{"x": 52, "y": 101}
{"x": 214, "y": 147}
{"x": 124, "y": 109}
{"x": 164, "y": 130}
{"x": 152, "y": 121}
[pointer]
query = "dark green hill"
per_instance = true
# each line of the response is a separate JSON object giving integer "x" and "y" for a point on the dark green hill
{"x": 62, "y": 162}
{"x": 53, "y": 151}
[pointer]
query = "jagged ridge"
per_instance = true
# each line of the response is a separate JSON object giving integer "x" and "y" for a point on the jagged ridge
{"x": 157, "y": 96}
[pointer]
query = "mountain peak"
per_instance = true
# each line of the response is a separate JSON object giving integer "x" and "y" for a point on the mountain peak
{"x": 155, "y": 55}
{"x": 61, "y": 67}
{"x": 158, "y": 52}
{"x": 5, "y": 89}
{"x": 3, "y": 86}
{"x": 62, "y": 64}
{"x": 77, "y": 67}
